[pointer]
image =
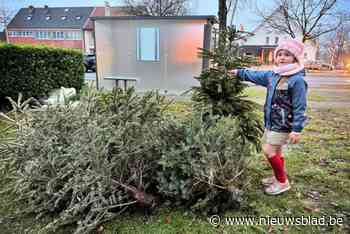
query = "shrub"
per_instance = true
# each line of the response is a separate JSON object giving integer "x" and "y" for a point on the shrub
{"x": 85, "y": 164}
{"x": 205, "y": 166}
{"x": 36, "y": 70}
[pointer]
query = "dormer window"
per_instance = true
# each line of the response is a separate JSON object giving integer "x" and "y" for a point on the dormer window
{"x": 63, "y": 17}
{"x": 77, "y": 17}
{"x": 29, "y": 17}
{"x": 48, "y": 17}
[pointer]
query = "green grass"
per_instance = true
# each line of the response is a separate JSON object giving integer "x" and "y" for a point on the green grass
{"x": 258, "y": 93}
{"x": 320, "y": 163}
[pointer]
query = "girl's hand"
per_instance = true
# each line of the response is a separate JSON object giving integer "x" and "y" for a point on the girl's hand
{"x": 294, "y": 137}
{"x": 233, "y": 72}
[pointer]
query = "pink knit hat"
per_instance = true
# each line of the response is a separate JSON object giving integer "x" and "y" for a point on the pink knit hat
{"x": 293, "y": 46}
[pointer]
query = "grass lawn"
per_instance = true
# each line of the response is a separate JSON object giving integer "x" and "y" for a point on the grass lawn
{"x": 258, "y": 94}
{"x": 318, "y": 168}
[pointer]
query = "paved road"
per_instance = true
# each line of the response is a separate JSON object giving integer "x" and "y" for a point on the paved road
{"x": 329, "y": 80}
{"x": 332, "y": 87}
{"x": 90, "y": 76}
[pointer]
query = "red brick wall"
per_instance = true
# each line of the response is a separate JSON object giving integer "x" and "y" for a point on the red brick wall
{"x": 76, "y": 44}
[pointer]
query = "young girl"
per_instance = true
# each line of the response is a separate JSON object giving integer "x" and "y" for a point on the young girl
{"x": 284, "y": 109}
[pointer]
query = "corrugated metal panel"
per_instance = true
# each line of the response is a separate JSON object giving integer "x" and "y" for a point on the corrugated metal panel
{"x": 116, "y": 49}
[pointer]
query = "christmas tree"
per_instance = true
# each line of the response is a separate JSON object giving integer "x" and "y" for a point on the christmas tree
{"x": 220, "y": 93}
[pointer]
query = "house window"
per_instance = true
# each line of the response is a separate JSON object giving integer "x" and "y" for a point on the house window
{"x": 29, "y": 17}
{"x": 60, "y": 35}
{"x": 267, "y": 40}
{"x": 63, "y": 17}
{"x": 76, "y": 36}
{"x": 42, "y": 35}
{"x": 148, "y": 44}
{"x": 305, "y": 55}
{"x": 276, "y": 40}
{"x": 77, "y": 17}
{"x": 68, "y": 35}
{"x": 48, "y": 17}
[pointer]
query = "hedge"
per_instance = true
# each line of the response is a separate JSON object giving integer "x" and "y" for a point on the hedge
{"x": 36, "y": 70}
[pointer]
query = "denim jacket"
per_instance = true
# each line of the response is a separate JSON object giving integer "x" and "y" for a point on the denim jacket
{"x": 284, "y": 109}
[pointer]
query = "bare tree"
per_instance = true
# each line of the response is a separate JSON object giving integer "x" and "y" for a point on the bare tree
{"x": 5, "y": 14}
{"x": 311, "y": 18}
{"x": 234, "y": 5}
{"x": 156, "y": 7}
{"x": 228, "y": 10}
{"x": 336, "y": 42}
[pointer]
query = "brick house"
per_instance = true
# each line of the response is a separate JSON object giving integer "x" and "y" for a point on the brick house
{"x": 68, "y": 27}
{"x": 2, "y": 37}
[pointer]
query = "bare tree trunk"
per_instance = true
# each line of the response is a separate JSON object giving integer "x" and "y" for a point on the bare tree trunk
{"x": 222, "y": 15}
{"x": 222, "y": 21}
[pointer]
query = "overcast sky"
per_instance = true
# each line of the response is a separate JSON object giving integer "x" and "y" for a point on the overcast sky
{"x": 199, "y": 7}
{"x": 245, "y": 15}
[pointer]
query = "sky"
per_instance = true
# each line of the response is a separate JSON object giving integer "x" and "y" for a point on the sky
{"x": 199, "y": 7}
{"x": 245, "y": 15}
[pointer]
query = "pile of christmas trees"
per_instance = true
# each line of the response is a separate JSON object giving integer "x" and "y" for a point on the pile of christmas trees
{"x": 85, "y": 164}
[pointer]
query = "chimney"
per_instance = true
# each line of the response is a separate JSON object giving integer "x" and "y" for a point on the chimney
{"x": 31, "y": 9}
{"x": 107, "y": 9}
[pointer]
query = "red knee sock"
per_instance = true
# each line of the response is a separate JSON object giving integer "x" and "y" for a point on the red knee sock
{"x": 277, "y": 164}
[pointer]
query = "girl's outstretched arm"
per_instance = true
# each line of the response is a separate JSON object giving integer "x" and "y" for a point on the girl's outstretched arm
{"x": 256, "y": 77}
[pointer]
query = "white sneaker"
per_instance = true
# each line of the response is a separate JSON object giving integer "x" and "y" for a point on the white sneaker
{"x": 277, "y": 188}
{"x": 268, "y": 181}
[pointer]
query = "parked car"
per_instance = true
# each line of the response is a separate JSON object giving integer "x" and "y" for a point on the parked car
{"x": 326, "y": 66}
{"x": 90, "y": 62}
{"x": 312, "y": 65}
{"x": 340, "y": 67}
